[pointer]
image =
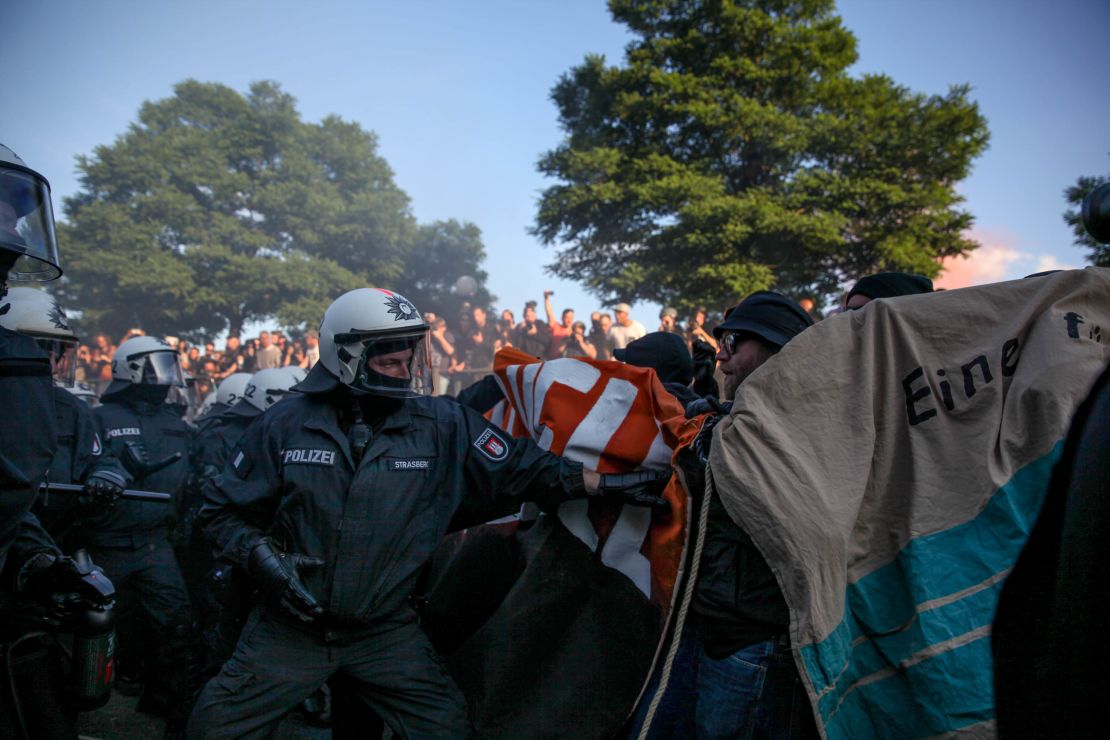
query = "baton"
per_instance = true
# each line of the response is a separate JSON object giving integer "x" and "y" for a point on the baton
{"x": 130, "y": 494}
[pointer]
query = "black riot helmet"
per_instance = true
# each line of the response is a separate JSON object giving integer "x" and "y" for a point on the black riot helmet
{"x": 28, "y": 245}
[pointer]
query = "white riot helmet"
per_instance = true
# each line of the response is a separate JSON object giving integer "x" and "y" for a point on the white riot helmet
{"x": 85, "y": 393}
{"x": 231, "y": 388}
{"x": 26, "y": 221}
{"x": 267, "y": 387}
{"x": 297, "y": 372}
{"x": 37, "y": 314}
{"x": 147, "y": 361}
{"x": 369, "y": 323}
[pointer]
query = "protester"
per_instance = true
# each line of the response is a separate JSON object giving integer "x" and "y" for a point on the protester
{"x": 695, "y": 328}
{"x": 481, "y": 343}
{"x": 600, "y": 336}
{"x": 532, "y": 335}
{"x": 443, "y": 353}
{"x": 312, "y": 349}
{"x": 267, "y": 356}
{"x": 625, "y": 329}
{"x": 668, "y": 319}
{"x": 733, "y": 674}
{"x": 667, "y": 355}
{"x": 576, "y": 344}
{"x": 560, "y": 330}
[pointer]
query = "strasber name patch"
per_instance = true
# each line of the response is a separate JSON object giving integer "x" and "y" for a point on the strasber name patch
{"x": 410, "y": 464}
{"x": 492, "y": 445}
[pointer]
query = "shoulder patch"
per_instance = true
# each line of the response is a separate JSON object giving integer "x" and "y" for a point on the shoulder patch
{"x": 96, "y": 446}
{"x": 240, "y": 463}
{"x": 491, "y": 444}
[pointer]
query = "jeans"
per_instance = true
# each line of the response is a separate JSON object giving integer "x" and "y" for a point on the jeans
{"x": 674, "y": 715}
{"x": 754, "y": 693}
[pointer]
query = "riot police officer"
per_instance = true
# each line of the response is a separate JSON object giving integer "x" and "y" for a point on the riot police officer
{"x": 78, "y": 456}
{"x": 229, "y": 390}
{"x": 334, "y": 499}
{"x": 31, "y": 565}
{"x": 132, "y": 541}
{"x": 225, "y": 599}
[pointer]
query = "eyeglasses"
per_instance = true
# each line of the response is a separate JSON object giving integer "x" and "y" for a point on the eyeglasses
{"x": 729, "y": 342}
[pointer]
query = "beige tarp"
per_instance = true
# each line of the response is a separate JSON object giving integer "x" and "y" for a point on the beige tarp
{"x": 889, "y": 463}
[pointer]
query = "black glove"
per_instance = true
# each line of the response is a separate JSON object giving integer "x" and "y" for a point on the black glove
{"x": 641, "y": 488}
{"x": 706, "y": 405}
{"x": 65, "y": 585}
{"x": 103, "y": 489}
{"x": 278, "y": 575}
{"x": 703, "y": 443}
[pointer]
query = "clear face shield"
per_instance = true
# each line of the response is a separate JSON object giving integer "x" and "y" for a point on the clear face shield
{"x": 396, "y": 366}
{"x": 63, "y": 358}
{"x": 27, "y": 225}
{"x": 160, "y": 368}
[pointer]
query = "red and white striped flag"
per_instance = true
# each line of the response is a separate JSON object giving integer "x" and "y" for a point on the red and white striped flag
{"x": 613, "y": 418}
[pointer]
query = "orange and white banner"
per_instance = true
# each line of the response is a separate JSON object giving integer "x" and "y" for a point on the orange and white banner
{"x": 612, "y": 418}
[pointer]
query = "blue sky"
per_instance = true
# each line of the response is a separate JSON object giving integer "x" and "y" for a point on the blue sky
{"x": 458, "y": 95}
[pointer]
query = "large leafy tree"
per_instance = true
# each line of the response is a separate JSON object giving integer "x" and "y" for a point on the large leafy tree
{"x": 733, "y": 152}
{"x": 1098, "y": 253}
{"x": 216, "y": 208}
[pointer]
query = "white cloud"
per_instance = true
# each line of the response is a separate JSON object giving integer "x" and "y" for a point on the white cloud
{"x": 1048, "y": 262}
{"x": 987, "y": 264}
{"x": 997, "y": 259}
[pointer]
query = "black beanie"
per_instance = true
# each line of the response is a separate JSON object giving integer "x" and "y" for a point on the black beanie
{"x": 891, "y": 284}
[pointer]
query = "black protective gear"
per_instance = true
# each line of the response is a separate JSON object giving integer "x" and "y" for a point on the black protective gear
{"x": 136, "y": 434}
{"x": 65, "y": 585}
{"x": 431, "y": 466}
{"x": 639, "y": 488}
{"x": 135, "y": 459}
{"x": 278, "y": 575}
{"x": 103, "y": 488}
{"x": 27, "y": 445}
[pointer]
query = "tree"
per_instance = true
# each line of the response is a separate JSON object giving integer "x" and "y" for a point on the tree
{"x": 733, "y": 152}
{"x": 215, "y": 209}
{"x": 1099, "y": 253}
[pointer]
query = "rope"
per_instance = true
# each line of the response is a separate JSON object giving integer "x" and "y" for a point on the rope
{"x": 687, "y": 597}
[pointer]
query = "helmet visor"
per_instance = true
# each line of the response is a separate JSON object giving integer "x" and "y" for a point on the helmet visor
{"x": 63, "y": 358}
{"x": 27, "y": 226}
{"x": 162, "y": 368}
{"x": 395, "y": 366}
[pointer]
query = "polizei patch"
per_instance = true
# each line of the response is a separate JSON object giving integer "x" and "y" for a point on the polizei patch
{"x": 492, "y": 445}
{"x": 124, "y": 432}
{"x": 308, "y": 457}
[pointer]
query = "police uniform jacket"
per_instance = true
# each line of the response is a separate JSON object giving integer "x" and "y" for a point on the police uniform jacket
{"x": 78, "y": 452}
{"x": 377, "y": 522}
{"x": 217, "y": 434}
{"x": 161, "y": 433}
{"x": 26, "y": 443}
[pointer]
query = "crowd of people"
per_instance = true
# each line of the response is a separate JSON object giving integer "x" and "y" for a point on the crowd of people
{"x": 462, "y": 346}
